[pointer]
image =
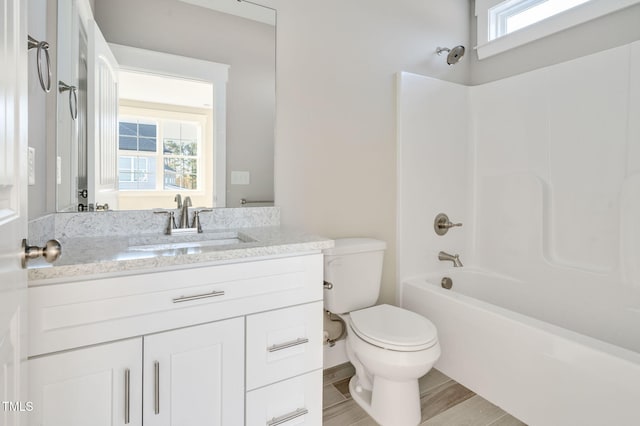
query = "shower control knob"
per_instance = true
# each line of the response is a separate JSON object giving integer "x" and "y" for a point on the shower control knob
{"x": 441, "y": 224}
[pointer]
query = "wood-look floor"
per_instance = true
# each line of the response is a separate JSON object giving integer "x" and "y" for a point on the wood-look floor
{"x": 444, "y": 403}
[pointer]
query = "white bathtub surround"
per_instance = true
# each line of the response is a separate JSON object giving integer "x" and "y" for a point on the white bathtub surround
{"x": 541, "y": 373}
{"x": 550, "y": 204}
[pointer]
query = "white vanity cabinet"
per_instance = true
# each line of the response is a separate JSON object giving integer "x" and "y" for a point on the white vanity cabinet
{"x": 195, "y": 375}
{"x": 89, "y": 386}
{"x": 194, "y": 344}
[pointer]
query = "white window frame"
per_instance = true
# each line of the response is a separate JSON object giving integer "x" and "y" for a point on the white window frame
{"x": 569, "y": 18}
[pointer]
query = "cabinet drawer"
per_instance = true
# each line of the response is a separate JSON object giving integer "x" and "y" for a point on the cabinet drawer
{"x": 296, "y": 401}
{"x": 64, "y": 316}
{"x": 283, "y": 343}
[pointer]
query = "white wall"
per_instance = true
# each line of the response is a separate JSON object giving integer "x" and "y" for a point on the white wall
{"x": 37, "y": 28}
{"x": 335, "y": 169}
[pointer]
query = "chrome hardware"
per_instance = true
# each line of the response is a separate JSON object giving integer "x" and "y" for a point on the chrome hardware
{"x": 184, "y": 218}
{"x": 343, "y": 328}
{"x": 455, "y": 258}
{"x": 327, "y": 285}
{"x": 73, "y": 97}
{"x": 41, "y": 46}
{"x": 172, "y": 221}
{"x": 127, "y": 396}
{"x": 442, "y": 224}
{"x": 287, "y": 345}
{"x": 446, "y": 283}
{"x": 244, "y": 201}
{"x": 82, "y": 207}
{"x": 102, "y": 207}
{"x": 51, "y": 251}
{"x": 178, "y": 200}
{"x": 198, "y": 296}
{"x": 286, "y": 417}
{"x": 156, "y": 388}
{"x": 83, "y": 193}
{"x": 196, "y": 219}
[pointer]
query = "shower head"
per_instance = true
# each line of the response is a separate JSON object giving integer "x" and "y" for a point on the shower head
{"x": 454, "y": 55}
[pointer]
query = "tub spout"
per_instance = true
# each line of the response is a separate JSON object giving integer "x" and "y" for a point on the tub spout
{"x": 455, "y": 258}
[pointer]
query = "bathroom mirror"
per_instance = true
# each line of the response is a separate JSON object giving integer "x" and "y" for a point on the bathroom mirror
{"x": 160, "y": 155}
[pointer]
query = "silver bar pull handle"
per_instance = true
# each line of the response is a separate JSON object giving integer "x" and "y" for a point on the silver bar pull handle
{"x": 127, "y": 396}
{"x": 156, "y": 387}
{"x": 198, "y": 296}
{"x": 286, "y": 345}
{"x": 286, "y": 417}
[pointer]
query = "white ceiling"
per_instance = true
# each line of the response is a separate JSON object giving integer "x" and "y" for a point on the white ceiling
{"x": 257, "y": 10}
{"x": 156, "y": 88}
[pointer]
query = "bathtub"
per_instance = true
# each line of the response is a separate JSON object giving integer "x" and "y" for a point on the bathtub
{"x": 510, "y": 343}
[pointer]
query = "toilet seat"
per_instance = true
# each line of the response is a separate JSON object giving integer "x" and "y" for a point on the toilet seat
{"x": 393, "y": 328}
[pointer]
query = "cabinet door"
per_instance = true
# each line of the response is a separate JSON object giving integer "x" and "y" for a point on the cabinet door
{"x": 195, "y": 375}
{"x": 97, "y": 386}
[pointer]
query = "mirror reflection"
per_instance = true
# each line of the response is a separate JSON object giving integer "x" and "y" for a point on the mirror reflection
{"x": 206, "y": 134}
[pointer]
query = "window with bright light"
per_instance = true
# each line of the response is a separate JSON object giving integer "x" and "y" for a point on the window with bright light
{"x": 512, "y": 15}
{"x": 507, "y": 24}
{"x": 159, "y": 154}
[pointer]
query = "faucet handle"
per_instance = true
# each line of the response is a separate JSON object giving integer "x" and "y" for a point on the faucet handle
{"x": 196, "y": 219}
{"x": 441, "y": 224}
{"x": 172, "y": 220}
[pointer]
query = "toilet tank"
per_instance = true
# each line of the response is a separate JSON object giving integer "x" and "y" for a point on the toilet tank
{"x": 354, "y": 268}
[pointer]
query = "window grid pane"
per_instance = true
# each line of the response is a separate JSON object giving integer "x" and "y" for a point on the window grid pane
{"x": 179, "y": 156}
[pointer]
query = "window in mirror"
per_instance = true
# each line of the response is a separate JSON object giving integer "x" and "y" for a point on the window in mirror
{"x": 163, "y": 150}
{"x": 181, "y": 155}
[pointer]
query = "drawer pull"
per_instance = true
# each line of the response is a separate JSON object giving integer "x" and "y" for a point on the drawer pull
{"x": 127, "y": 396}
{"x": 286, "y": 345}
{"x": 198, "y": 296}
{"x": 285, "y": 418}
{"x": 156, "y": 387}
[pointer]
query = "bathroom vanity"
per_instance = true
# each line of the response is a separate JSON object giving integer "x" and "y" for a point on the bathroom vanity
{"x": 199, "y": 334}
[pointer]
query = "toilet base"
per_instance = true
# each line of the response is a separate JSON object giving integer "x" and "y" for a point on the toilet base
{"x": 389, "y": 403}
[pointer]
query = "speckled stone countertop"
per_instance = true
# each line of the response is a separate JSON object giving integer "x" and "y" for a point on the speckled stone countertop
{"x": 99, "y": 255}
{"x": 133, "y": 242}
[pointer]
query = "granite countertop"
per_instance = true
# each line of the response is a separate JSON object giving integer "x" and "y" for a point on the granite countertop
{"x": 83, "y": 256}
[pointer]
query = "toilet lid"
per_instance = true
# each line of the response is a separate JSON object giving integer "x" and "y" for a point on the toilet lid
{"x": 394, "y": 328}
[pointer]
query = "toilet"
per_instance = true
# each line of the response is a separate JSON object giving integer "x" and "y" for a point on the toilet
{"x": 390, "y": 347}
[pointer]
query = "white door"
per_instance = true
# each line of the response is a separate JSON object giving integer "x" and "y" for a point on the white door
{"x": 102, "y": 120}
{"x": 97, "y": 386}
{"x": 13, "y": 210}
{"x": 195, "y": 376}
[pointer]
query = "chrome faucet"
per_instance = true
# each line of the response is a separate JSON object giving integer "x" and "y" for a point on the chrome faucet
{"x": 178, "y": 200}
{"x": 455, "y": 258}
{"x": 184, "y": 218}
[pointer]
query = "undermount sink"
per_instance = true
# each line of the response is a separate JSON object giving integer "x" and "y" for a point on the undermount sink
{"x": 194, "y": 242}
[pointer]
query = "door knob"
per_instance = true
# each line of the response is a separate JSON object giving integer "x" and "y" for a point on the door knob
{"x": 51, "y": 251}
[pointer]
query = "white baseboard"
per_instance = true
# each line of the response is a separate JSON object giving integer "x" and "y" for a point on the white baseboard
{"x": 335, "y": 355}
